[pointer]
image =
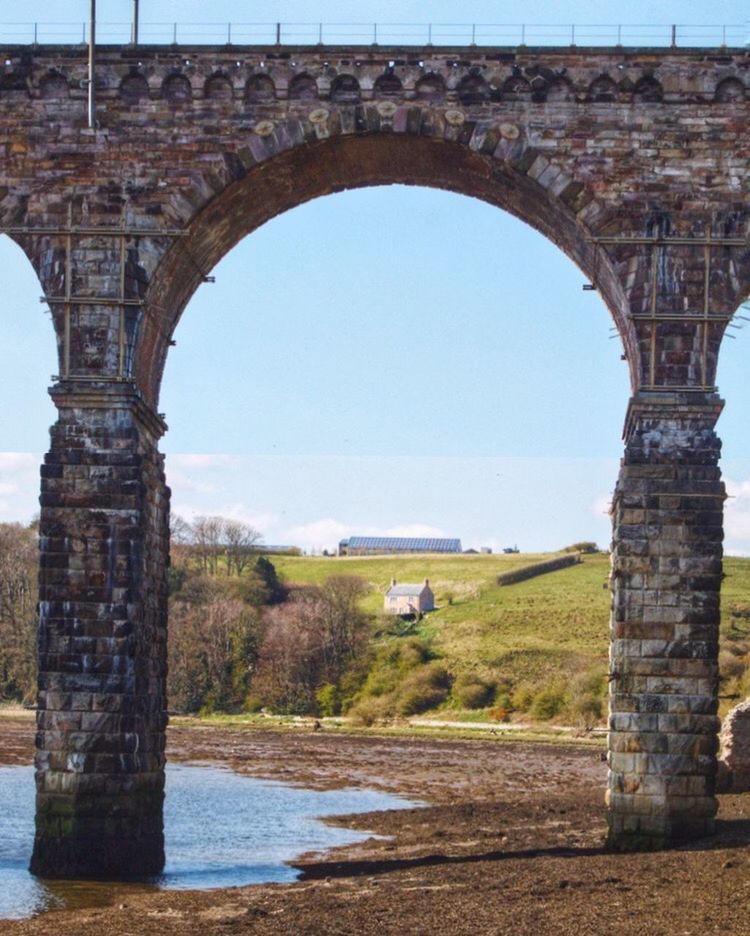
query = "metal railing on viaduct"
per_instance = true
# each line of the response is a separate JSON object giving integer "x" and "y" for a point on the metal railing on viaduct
{"x": 673, "y": 35}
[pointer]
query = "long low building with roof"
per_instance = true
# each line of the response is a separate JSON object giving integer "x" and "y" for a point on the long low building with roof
{"x": 388, "y": 545}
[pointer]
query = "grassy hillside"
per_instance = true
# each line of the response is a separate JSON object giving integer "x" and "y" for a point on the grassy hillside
{"x": 543, "y": 632}
{"x": 477, "y": 622}
{"x": 461, "y": 574}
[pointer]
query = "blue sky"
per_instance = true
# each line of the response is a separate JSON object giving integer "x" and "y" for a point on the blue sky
{"x": 384, "y": 11}
{"x": 386, "y": 360}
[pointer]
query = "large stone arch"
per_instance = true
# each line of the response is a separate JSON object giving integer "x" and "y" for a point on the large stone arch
{"x": 123, "y": 221}
{"x": 343, "y": 161}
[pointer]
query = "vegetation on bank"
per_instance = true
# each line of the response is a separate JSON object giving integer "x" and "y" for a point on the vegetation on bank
{"x": 301, "y": 635}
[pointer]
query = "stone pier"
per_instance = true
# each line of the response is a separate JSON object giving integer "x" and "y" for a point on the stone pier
{"x": 102, "y": 641}
{"x": 666, "y": 569}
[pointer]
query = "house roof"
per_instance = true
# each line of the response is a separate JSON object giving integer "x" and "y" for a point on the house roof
{"x": 406, "y": 591}
{"x": 410, "y": 543}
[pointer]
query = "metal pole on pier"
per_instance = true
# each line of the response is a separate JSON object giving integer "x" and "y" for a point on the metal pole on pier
{"x": 92, "y": 45}
{"x": 135, "y": 21}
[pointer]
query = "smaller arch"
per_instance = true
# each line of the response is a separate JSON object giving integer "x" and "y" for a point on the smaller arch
{"x": 134, "y": 88}
{"x": 602, "y": 90}
{"x": 388, "y": 85}
{"x": 345, "y": 90}
{"x": 561, "y": 89}
{"x": 176, "y": 89}
{"x": 539, "y": 87}
{"x": 515, "y": 88}
{"x": 648, "y": 90}
{"x": 13, "y": 81}
{"x": 728, "y": 90}
{"x": 303, "y": 87}
{"x": 473, "y": 89}
{"x": 218, "y": 88}
{"x": 54, "y": 87}
{"x": 260, "y": 89}
{"x": 430, "y": 87}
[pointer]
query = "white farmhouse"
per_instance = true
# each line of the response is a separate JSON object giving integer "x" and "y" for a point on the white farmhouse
{"x": 409, "y": 599}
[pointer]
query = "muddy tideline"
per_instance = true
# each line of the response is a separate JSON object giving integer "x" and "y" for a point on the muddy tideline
{"x": 511, "y": 842}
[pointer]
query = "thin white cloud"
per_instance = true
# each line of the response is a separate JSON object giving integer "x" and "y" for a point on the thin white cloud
{"x": 262, "y": 520}
{"x": 327, "y": 533}
{"x": 265, "y": 522}
{"x": 317, "y": 535}
{"x": 600, "y": 506}
{"x": 198, "y": 462}
{"x": 737, "y": 515}
{"x": 185, "y": 483}
{"x": 19, "y": 463}
{"x": 19, "y": 486}
{"x": 409, "y": 529}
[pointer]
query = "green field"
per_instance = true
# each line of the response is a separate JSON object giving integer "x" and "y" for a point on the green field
{"x": 550, "y": 628}
{"x": 523, "y": 629}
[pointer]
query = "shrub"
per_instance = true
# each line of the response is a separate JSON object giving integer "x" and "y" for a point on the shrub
{"x": 585, "y": 547}
{"x": 253, "y": 703}
{"x": 368, "y": 711}
{"x": 473, "y": 692}
{"x": 503, "y": 701}
{"x": 328, "y": 699}
{"x": 424, "y": 689}
{"x": 523, "y": 696}
{"x": 499, "y": 713}
{"x": 731, "y": 665}
{"x": 592, "y": 681}
{"x": 587, "y": 710}
{"x": 393, "y": 661}
{"x": 547, "y": 703}
{"x": 411, "y": 653}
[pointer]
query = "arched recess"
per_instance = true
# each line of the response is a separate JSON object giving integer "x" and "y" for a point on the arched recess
{"x": 337, "y": 163}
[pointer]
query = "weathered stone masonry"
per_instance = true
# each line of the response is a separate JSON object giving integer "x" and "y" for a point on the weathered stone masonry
{"x": 666, "y": 564}
{"x": 634, "y": 162}
{"x": 102, "y": 650}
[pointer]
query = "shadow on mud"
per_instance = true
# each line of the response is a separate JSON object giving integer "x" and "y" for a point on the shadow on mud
{"x": 730, "y": 833}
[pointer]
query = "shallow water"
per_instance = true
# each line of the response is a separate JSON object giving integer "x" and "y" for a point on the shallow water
{"x": 222, "y": 830}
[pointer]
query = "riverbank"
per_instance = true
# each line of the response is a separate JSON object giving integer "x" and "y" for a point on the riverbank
{"x": 511, "y": 842}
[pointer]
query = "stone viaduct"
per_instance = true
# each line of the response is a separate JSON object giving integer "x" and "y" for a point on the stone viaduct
{"x": 634, "y": 162}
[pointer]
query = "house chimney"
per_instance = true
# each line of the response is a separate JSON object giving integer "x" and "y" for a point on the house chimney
{"x": 393, "y": 582}
{"x": 427, "y": 581}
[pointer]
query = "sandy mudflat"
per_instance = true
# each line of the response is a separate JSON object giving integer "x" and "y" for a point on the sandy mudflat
{"x": 511, "y": 844}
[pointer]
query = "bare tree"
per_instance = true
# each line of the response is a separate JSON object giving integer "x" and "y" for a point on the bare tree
{"x": 181, "y": 538}
{"x": 289, "y": 664}
{"x": 180, "y": 531}
{"x": 239, "y": 539}
{"x": 18, "y": 597}
{"x": 213, "y": 644}
{"x": 311, "y": 640}
{"x": 207, "y": 536}
{"x": 342, "y": 622}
